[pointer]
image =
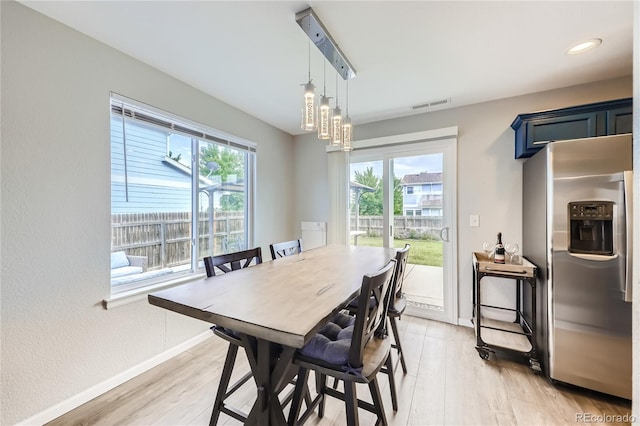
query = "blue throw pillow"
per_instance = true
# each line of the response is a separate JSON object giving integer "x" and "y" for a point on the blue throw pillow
{"x": 119, "y": 259}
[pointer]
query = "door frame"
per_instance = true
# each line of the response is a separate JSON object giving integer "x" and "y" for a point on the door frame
{"x": 411, "y": 144}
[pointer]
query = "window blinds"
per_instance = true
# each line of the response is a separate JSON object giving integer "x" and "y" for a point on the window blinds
{"x": 131, "y": 109}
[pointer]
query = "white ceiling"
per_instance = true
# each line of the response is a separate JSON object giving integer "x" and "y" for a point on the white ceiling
{"x": 254, "y": 56}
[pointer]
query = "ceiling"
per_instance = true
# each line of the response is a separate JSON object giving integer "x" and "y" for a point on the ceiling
{"x": 254, "y": 56}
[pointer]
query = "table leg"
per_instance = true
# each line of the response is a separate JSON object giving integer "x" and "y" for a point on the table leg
{"x": 269, "y": 364}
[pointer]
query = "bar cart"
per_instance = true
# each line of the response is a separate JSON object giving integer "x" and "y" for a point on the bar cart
{"x": 517, "y": 337}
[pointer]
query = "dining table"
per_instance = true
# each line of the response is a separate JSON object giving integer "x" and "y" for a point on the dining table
{"x": 281, "y": 304}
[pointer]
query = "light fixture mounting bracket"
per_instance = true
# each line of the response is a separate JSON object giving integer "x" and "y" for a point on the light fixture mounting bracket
{"x": 316, "y": 31}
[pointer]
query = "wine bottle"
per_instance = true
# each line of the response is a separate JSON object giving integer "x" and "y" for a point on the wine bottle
{"x": 499, "y": 253}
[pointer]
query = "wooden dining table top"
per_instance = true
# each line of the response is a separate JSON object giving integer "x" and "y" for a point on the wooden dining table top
{"x": 284, "y": 301}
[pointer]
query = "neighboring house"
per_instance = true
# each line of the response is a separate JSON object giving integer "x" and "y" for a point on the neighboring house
{"x": 153, "y": 182}
{"x": 422, "y": 194}
{"x": 141, "y": 181}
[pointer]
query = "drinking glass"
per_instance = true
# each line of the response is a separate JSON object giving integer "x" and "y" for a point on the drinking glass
{"x": 488, "y": 248}
{"x": 511, "y": 249}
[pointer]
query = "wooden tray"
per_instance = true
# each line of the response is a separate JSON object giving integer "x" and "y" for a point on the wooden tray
{"x": 523, "y": 268}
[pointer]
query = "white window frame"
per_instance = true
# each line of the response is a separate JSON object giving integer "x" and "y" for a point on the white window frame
{"x": 125, "y": 293}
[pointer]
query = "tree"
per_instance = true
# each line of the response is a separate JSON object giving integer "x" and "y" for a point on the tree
{"x": 397, "y": 197}
{"x": 229, "y": 162}
{"x": 371, "y": 202}
{"x": 216, "y": 160}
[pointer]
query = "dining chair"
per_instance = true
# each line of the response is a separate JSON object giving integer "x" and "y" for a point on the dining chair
{"x": 351, "y": 349}
{"x": 398, "y": 301}
{"x": 286, "y": 248}
{"x": 227, "y": 263}
{"x": 232, "y": 261}
{"x": 396, "y": 306}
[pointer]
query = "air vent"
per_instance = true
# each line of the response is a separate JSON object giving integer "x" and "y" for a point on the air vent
{"x": 432, "y": 104}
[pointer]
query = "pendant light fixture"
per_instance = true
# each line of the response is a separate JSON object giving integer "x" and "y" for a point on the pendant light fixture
{"x": 347, "y": 130}
{"x": 336, "y": 122}
{"x": 330, "y": 124}
{"x": 309, "y": 107}
{"x": 324, "y": 110}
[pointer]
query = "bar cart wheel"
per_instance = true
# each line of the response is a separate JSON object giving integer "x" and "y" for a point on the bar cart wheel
{"x": 535, "y": 366}
{"x": 483, "y": 353}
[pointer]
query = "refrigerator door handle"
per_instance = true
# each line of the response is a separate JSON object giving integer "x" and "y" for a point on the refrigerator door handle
{"x": 628, "y": 220}
{"x": 594, "y": 257}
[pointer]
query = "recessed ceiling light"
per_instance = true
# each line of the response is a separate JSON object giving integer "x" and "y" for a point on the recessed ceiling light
{"x": 584, "y": 46}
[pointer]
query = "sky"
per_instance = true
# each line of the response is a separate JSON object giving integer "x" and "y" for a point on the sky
{"x": 403, "y": 165}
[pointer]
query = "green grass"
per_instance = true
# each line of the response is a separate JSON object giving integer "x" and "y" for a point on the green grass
{"x": 423, "y": 252}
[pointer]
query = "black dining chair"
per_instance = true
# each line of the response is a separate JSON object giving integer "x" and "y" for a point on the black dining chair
{"x": 227, "y": 263}
{"x": 286, "y": 248}
{"x": 396, "y": 306}
{"x": 351, "y": 349}
{"x": 398, "y": 301}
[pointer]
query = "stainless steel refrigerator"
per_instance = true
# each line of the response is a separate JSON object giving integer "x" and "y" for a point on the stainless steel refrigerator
{"x": 577, "y": 230}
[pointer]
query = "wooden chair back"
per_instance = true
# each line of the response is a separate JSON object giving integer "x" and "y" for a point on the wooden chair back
{"x": 398, "y": 278}
{"x": 377, "y": 287}
{"x": 285, "y": 248}
{"x": 232, "y": 261}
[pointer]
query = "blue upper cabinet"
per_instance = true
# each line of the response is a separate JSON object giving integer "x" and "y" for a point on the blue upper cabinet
{"x": 536, "y": 129}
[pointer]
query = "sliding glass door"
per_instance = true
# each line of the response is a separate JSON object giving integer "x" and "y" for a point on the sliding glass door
{"x": 406, "y": 195}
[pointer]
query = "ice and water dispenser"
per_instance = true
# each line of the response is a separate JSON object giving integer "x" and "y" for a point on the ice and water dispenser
{"x": 591, "y": 227}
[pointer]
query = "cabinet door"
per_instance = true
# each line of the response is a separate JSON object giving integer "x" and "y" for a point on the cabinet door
{"x": 619, "y": 120}
{"x": 540, "y": 132}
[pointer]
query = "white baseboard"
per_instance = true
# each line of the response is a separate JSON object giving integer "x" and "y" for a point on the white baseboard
{"x": 465, "y": 322}
{"x": 105, "y": 386}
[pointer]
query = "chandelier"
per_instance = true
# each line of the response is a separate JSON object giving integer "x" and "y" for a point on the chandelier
{"x": 329, "y": 123}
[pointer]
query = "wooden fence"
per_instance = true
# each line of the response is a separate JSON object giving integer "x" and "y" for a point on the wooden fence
{"x": 403, "y": 226}
{"x": 165, "y": 238}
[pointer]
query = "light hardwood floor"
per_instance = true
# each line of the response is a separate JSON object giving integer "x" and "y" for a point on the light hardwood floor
{"x": 447, "y": 383}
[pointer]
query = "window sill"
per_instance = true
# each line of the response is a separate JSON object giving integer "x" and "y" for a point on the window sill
{"x": 135, "y": 295}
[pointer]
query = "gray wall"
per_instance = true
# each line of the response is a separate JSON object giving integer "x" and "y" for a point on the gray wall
{"x": 57, "y": 340}
{"x": 489, "y": 178}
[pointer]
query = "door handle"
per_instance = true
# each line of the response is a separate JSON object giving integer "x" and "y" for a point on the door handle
{"x": 444, "y": 231}
{"x": 628, "y": 220}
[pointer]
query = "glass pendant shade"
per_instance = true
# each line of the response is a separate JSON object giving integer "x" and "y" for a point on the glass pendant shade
{"x": 347, "y": 133}
{"x": 336, "y": 127}
{"x": 309, "y": 108}
{"x": 324, "y": 118}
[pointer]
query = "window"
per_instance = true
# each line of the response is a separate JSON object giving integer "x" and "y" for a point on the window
{"x": 164, "y": 216}
{"x": 409, "y": 189}
{"x": 437, "y": 212}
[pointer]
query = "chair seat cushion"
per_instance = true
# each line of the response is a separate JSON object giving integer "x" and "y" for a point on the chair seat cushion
{"x": 332, "y": 343}
{"x": 354, "y": 303}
